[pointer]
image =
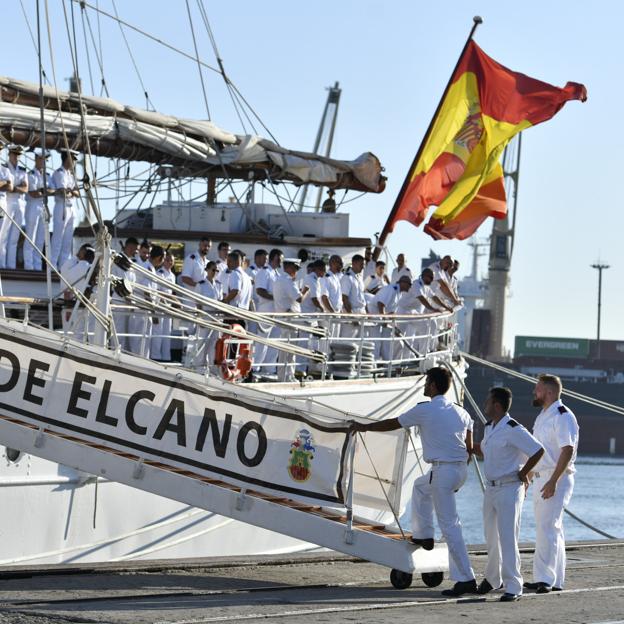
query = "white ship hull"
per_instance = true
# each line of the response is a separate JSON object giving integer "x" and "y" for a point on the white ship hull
{"x": 55, "y": 514}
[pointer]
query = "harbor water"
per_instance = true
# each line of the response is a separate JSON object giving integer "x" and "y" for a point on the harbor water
{"x": 598, "y": 499}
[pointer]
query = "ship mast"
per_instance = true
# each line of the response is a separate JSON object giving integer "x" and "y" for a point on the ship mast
{"x": 501, "y": 251}
{"x": 328, "y": 120}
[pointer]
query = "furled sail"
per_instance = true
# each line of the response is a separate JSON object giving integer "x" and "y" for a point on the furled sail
{"x": 195, "y": 148}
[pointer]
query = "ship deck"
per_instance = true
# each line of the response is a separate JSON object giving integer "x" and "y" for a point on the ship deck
{"x": 306, "y": 588}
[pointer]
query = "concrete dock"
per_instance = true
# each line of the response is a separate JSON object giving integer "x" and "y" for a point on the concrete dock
{"x": 301, "y": 588}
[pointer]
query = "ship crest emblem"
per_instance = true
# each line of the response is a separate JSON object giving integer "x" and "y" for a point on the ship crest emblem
{"x": 301, "y": 456}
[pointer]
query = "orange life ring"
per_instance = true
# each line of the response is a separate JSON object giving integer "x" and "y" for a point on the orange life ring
{"x": 238, "y": 366}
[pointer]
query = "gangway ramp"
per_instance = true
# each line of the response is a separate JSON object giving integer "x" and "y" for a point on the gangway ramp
{"x": 269, "y": 462}
{"x": 320, "y": 525}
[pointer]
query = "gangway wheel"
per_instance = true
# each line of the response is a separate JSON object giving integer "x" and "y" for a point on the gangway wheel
{"x": 400, "y": 580}
{"x": 432, "y": 579}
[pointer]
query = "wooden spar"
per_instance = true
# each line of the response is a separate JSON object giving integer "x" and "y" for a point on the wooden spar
{"x": 181, "y": 166}
{"x": 389, "y": 225}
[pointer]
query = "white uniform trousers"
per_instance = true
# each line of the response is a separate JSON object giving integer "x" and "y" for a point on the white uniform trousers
{"x": 121, "y": 320}
{"x": 62, "y": 233}
{"x": 35, "y": 230}
{"x": 550, "y": 557}
{"x": 436, "y": 490}
{"x": 286, "y": 361}
{"x": 161, "y": 342}
{"x": 9, "y": 234}
{"x": 202, "y": 352}
{"x": 140, "y": 330}
{"x": 260, "y": 351}
{"x": 502, "y": 509}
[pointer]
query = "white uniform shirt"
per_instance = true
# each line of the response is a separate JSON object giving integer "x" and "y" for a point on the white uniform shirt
{"x": 353, "y": 287}
{"x": 129, "y": 276}
{"x": 194, "y": 267}
{"x": 265, "y": 278}
{"x": 211, "y": 290}
{"x": 64, "y": 179}
{"x": 20, "y": 175}
{"x": 555, "y": 428}
{"x": 145, "y": 280}
{"x": 5, "y": 174}
{"x": 443, "y": 426}
{"x": 312, "y": 282}
{"x": 167, "y": 275}
{"x": 375, "y": 282}
{"x": 237, "y": 279}
{"x": 506, "y": 447}
{"x": 389, "y": 296}
{"x": 439, "y": 274}
{"x": 35, "y": 183}
{"x": 330, "y": 286}
{"x": 286, "y": 293}
{"x": 399, "y": 273}
{"x": 221, "y": 271}
{"x": 76, "y": 273}
{"x": 369, "y": 269}
{"x": 410, "y": 303}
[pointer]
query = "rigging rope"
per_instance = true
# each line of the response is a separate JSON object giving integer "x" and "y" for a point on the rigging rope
{"x": 571, "y": 393}
{"x": 199, "y": 67}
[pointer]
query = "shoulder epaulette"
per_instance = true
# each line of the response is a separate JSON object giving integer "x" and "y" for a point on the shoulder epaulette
{"x": 327, "y": 275}
{"x": 562, "y": 409}
{"x": 253, "y": 267}
{"x": 192, "y": 256}
{"x": 488, "y": 423}
{"x": 60, "y": 169}
{"x": 161, "y": 270}
{"x": 512, "y": 423}
{"x": 217, "y": 281}
{"x": 421, "y": 402}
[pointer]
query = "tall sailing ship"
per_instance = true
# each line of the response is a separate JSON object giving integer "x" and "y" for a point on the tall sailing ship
{"x": 110, "y": 456}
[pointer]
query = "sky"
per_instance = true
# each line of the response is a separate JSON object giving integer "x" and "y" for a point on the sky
{"x": 393, "y": 60}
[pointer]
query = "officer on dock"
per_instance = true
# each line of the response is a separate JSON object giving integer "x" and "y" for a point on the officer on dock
{"x": 446, "y": 435}
{"x": 509, "y": 452}
{"x": 558, "y": 432}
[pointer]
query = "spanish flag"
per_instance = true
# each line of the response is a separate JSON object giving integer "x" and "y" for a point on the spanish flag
{"x": 459, "y": 168}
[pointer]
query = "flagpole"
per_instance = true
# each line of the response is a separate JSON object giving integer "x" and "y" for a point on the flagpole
{"x": 386, "y": 229}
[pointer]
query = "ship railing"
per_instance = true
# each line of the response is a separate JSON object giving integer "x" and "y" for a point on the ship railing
{"x": 358, "y": 345}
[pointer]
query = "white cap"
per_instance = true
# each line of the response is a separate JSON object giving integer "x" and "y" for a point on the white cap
{"x": 41, "y": 153}
{"x": 292, "y": 261}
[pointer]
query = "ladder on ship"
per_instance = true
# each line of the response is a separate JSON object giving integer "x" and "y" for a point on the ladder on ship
{"x": 324, "y": 526}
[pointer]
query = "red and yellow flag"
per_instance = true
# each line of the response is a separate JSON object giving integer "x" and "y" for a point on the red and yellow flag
{"x": 459, "y": 169}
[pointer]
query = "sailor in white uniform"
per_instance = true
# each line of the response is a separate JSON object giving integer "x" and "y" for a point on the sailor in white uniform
{"x": 16, "y": 204}
{"x": 75, "y": 272}
{"x": 223, "y": 250}
{"x": 239, "y": 287}
{"x": 35, "y": 217}
{"x": 194, "y": 268}
{"x": 441, "y": 280}
{"x": 64, "y": 213}
{"x": 207, "y": 338}
{"x": 386, "y": 302}
{"x": 263, "y": 288}
{"x": 370, "y": 265}
{"x": 6, "y": 186}
{"x": 353, "y": 300}
{"x": 163, "y": 325}
{"x": 558, "y": 432}
{"x": 287, "y": 298}
{"x": 400, "y": 270}
{"x": 446, "y": 435}
{"x": 141, "y": 322}
{"x": 509, "y": 452}
{"x": 121, "y": 317}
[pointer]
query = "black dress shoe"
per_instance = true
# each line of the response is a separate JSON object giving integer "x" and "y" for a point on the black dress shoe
{"x": 509, "y": 597}
{"x": 460, "y": 588}
{"x": 543, "y": 588}
{"x": 535, "y": 586}
{"x": 557, "y": 588}
{"x": 425, "y": 544}
{"x": 485, "y": 587}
